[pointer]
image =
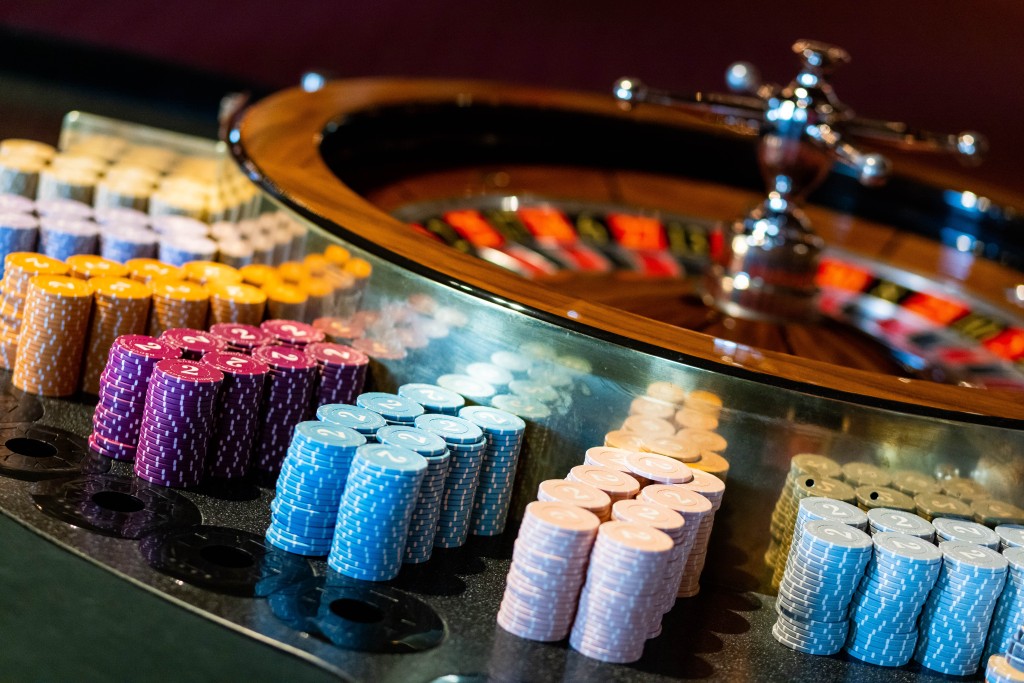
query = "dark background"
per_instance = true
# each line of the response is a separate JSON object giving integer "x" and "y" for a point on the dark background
{"x": 941, "y": 64}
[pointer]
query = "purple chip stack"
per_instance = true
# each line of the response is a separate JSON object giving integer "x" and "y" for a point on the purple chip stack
{"x": 342, "y": 372}
{"x": 194, "y": 344}
{"x": 237, "y": 415}
{"x": 241, "y": 338}
{"x": 176, "y": 424}
{"x": 292, "y": 332}
{"x": 122, "y": 394}
{"x": 289, "y": 387}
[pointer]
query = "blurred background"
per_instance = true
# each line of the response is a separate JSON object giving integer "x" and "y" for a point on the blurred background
{"x": 939, "y": 64}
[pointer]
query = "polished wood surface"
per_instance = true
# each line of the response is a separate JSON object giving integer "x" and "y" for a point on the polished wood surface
{"x": 278, "y": 141}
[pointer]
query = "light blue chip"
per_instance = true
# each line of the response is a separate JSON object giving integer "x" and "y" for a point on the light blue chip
{"x": 390, "y": 406}
{"x": 454, "y": 430}
{"x": 360, "y": 419}
{"x": 494, "y": 421}
{"x": 413, "y": 438}
{"x": 432, "y": 397}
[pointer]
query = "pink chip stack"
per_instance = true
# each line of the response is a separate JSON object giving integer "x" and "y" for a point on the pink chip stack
{"x": 618, "y": 485}
{"x": 292, "y": 333}
{"x": 241, "y": 338}
{"x": 575, "y": 493}
{"x": 712, "y": 488}
{"x": 671, "y": 523}
{"x": 117, "y": 420}
{"x": 607, "y": 456}
{"x": 342, "y": 372}
{"x": 237, "y": 415}
{"x": 548, "y": 567}
{"x": 651, "y": 468}
{"x": 194, "y": 344}
{"x": 622, "y": 590}
{"x": 289, "y": 389}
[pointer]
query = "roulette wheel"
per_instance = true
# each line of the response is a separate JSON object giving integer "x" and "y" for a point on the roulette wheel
{"x": 567, "y": 241}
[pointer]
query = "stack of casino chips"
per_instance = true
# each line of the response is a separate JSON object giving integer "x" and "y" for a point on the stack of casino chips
{"x": 88, "y": 266}
{"x": 583, "y": 496}
{"x": 886, "y": 520}
{"x": 930, "y": 505}
{"x": 207, "y": 272}
{"x": 1008, "y": 667}
{"x": 150, "y": 270}
{"x": 606, "y": 456}
{"x": 816, "y": 590}
{"x": 178, "y": 303}
{"x": 1009, "y": 613}
{"x": 289, "y": 386}
{"x": 285, "y": 301}
{"x": 963, "y": 530}
{"x": 549, "y": 564}
{"x": 913, "y": 483}
{"x": 872, "y": 497}
{"x": 1010, "y": 536}
{"x": 964, "y": 489}
{"x": 865, "y": 474}
{"x": 992, "y": 512}
{"x": 376, "y": 508}
{"x": 121, "y": 307}
{"x": 423, "y": 525}
{"x": 123, "y": 242}
{"x": 672, "y": 524}
{"x": 504, "y": 433}
{"x": 240, "y": 337}
{"x": 53, "y": 333}
{"x": 395, "y": 409}
{"x": 19, "y": 232}
{"x": 236, "y": 302}
{"x": 466, "y": 447}
{"x": 177, "y": 423}
{"x": 712, "y": 488}
{"x": 364, "y": 421}
{"x": 621, "y": 592}
{"x": 341, "y": 372}
{"x": 433, "y": 398}
{"x": 651, "y": 468}
{"x": 313, "y": 478}
{"x": 61, "y": 237}
{"x": 237, "y": 415}
{"x": 117, "y": 419}
{"x": 19, "y": 269}
{"x": 473, "y": 389}
{"x": 814, "y": 509}
{"x": 615, "y": 483}
{"x": 292, "y": 332}
{"x": 959, "y": 609}
{"x": 693, "y": 508}
{"x": 885, "y": 608}
{"x": 194, "y": 344}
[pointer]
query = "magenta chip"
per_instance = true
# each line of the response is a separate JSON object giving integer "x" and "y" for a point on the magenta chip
{"x": 292, "y": 332}
{"x": 194, "y": 344}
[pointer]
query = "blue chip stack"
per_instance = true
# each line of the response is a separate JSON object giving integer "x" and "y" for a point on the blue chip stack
{"x": 423, "y": 526}
{"x": 63, "y": 237}
{"x": 899, "y": 521}
{"x": 1008, "y": 667}
{"x": 364, "y": 421}
{"x": 433, "y": 398}
{"x": 1009, "y": 614}
{"x": 395, "y": 409}
{"x": 466, "y": 447}
{"x": 373, "y": 519}
{"x": 956, "y": 617}
{"x": 504, "y": 433}
{"x": 309, "y": 488}
{"x": 814, "y": 509}
{"x": 122, "y": 243}
{"x": 816, "y": 588}
{"x": 968, "y": 532}
{"x": 883, "y": 615}
{"x": 18, "y": 232}
{"x": 1010, "y": 536}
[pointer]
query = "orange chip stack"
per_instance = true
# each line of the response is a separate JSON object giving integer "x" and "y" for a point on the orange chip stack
{"x": 292, "y": 272}
{"x": 346, "y": 295}
{"x": 88, "y": 266}
{"x": 285, "y": 302}
{"x": 150, "y": 270}
{"x": 121, "y": 306}
{"x": 337, "y": 255}
{"x": 53, "y": 334}
{"x": 259, "y": 274}
{"x": 359, "y": 269}
{"x": 19, "y": 269}
{"x": 178, "y": 303}
{"x": 316, "y": 264}
{"x": 321, "y": 296}
{"x": 236, "y": 303}
{"x": 208, "y": 272}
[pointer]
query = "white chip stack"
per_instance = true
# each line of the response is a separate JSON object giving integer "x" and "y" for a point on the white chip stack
{"x": 712, "y": 488}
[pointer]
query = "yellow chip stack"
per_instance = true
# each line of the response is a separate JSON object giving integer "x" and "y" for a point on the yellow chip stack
{"x": 285, "y": 302}
{"x": 259, "y": 274}
{"x": 208, "y": 272}
{"x": 292, "y": 272}
{"x": 236, "y": 303}
{"x": 88, "y": 266}
{"x": 178, "y": 303}
{"x": 53, "y": 334}
{"x": 19, "y": 269}
{"x": 121, "y": 306}
{"x": 321, "y": 296}
{"x": 150, "y": 270}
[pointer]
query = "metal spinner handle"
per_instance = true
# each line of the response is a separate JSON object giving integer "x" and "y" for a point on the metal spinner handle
{"x": 768, "y": 259}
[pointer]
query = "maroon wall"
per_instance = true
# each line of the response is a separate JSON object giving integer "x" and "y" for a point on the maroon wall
{"x": 944, "y": 64}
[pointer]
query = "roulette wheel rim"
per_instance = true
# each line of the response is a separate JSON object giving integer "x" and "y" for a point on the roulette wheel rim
{"x": 279, "y": 142}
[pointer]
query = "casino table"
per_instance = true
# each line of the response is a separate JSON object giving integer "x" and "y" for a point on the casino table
{"x": 358, "y": 161}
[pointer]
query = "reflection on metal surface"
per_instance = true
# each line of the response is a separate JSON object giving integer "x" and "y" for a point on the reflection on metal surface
{"x": 32, "y": 451}
{"x": 217, "y": 558}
